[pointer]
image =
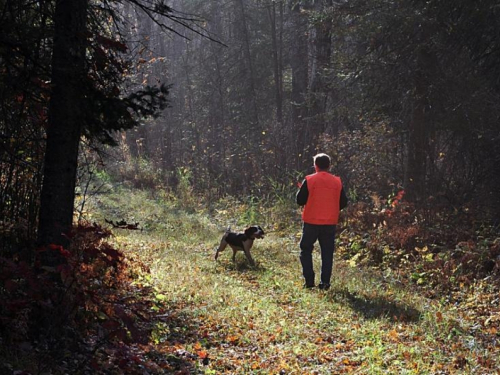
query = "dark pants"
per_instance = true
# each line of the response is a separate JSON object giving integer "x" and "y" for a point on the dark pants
{"x": 325, "y": 235}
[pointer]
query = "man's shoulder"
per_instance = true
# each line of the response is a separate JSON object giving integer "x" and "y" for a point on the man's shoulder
{"x": 332, "y": 176}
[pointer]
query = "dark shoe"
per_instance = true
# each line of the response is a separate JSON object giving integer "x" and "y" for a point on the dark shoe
{"x": 324, "y": 286}
{"x": 308, "y": 286}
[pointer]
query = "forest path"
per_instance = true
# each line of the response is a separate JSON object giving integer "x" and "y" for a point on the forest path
{"x": 227, "y": 318}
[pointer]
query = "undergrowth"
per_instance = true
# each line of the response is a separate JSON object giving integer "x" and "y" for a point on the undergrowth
{"x": 153, "y": 300}
{"x": 377, "y": 317}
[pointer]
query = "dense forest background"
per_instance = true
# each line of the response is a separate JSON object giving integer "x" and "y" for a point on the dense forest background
{"x": 219, "y": 100}
{"x": 403, "y": 95}
{"x": 400, "y": 93}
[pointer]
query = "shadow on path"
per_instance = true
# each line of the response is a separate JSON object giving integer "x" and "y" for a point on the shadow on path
{"x": 377, "y": 307}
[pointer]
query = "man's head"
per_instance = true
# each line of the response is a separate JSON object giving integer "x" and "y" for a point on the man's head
{"x": 322, "y": 162}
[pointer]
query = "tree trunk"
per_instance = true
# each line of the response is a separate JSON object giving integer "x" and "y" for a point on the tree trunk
{"x": 417, "y": 151}
{"x": 64, "y": 124}
{"x": 249, "y": 62}
{"x": 418, "y": 134}
{"x": 299, "y": 65}
{"x": 320, "y": 56}
{"x": 277, "y": 62}
{"x": 217, "y": 121}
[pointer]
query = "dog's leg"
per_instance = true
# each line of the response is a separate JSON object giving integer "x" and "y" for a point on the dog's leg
{"x": 249, "y": 258}
{"x": 246, "y": 250}
{"x": 221, "y": 248}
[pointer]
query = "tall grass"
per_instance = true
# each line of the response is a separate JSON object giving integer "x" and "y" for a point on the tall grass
{"x": 232, "y": 318}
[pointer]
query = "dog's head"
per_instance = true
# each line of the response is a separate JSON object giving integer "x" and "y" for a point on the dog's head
{"x": 254, "y": 231}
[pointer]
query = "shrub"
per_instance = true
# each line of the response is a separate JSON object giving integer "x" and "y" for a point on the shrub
{"x": 58, "y": 307}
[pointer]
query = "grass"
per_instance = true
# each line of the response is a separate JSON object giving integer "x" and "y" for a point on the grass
{"x": 231, "y": 318}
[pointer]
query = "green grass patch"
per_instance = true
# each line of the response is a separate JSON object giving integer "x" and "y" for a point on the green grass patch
{"x": 231, "y": 318}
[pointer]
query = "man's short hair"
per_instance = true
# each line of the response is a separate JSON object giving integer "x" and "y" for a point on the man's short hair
{"x": 322, "y": 161}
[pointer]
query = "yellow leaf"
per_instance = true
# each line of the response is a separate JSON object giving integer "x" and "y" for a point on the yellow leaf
{"x": 394, "y": 335}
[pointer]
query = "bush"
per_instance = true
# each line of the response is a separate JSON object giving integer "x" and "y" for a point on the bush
{"x": 57, "y": 309}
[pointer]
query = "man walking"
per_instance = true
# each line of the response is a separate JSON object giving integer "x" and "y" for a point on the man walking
{"x": 322, "y": 196}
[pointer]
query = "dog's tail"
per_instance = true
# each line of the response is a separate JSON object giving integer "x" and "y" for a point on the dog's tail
{"x": 222, "y": 245}
{"x": 228, "y": 230}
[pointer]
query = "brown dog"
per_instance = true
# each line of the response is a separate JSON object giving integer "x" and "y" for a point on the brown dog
{"x": 240, "y": 242}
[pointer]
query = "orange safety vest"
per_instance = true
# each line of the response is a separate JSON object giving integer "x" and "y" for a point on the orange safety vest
{"x": 322, "y": 207}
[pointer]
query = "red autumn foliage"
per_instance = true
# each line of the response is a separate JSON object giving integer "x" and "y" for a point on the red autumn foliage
{"x": 87, "y": 303}
{"x": 444, "y": 247}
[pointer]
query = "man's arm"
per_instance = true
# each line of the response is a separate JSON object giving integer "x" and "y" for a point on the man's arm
{"x": 302, "y": 194}
{"x": 343, "y": 199}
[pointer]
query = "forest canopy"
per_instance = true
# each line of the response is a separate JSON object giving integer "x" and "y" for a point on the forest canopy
{"x": 403, "y": 95}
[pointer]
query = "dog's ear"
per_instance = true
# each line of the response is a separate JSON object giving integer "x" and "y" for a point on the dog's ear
{"x": 250, "y": 230}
